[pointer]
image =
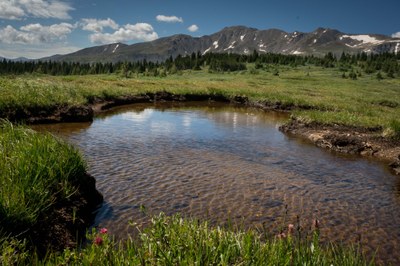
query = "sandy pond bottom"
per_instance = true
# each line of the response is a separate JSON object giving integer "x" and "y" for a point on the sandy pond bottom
{"x": 220, "y": 163}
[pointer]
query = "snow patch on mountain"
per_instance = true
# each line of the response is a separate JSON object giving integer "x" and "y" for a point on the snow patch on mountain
{"x": 396, "y": 50}
{"x": 242, "y": 37}
{"x": 215, "y": 44}
{"x": 297, "y": 52}
{"x": 363, "y": 38}
{"x": 207, "y": 50}
{"x": 115, "y": 49}
{"x": 231, "y": 46}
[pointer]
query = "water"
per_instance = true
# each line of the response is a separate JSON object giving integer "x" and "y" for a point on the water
{"x": 220, "y": 163}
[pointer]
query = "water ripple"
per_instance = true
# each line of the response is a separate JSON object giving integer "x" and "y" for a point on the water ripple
{"x": 233, "y": 164}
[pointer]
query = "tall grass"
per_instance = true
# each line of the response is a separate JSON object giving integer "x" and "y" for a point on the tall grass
{"x": 36, "y": 170}
{"x": 328, "y": 97}
{"x": 177, "y": 241}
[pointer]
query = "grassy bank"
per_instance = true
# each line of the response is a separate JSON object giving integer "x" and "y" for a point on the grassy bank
{"x": 39, "y": 176}
{"x": 320, "y": 94}
{"x": 36, "y": 170}
{"x": 177, "y": 241}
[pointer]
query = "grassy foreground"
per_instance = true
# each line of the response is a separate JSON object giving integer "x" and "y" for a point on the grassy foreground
{"x": 178, "y": 241}
{"x": 320, "y": 94}
{"x": 36, "y": 171}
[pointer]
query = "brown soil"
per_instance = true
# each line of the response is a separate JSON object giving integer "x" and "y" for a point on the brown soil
{"x": 347, "y": 139}
{"x": 65, "y": 224}
{"x": 54, "y": 114}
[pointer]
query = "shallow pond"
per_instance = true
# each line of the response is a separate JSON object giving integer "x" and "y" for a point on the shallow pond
{"x": 220, "y": 163}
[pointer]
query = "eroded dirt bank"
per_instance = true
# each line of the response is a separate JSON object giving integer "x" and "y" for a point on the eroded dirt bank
{"x": 346, "y": 139}
{"x": 65, "y": 223}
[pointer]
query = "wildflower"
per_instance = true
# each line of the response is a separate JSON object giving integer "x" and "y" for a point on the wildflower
{"x": 290, "y": 229}
{"x": 98, "y": 241}
{"x": 281, "y": 236}
{"x": 316, "y": 224}
{"x": 103, "y": 231}
{"x": 312, "y": 248}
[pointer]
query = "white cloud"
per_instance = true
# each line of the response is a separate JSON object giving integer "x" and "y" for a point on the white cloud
{"x": 17, "y": 9}
{"x": 35, "y": 52}
{"x": 9, "y": 11}
{"x": 171, "y": 19}
{"x": 96, "y": 25}
{"x": 126, "y": 33}
{"x": 193, "y": 28}
{"x": 35, "y": 33}
{"x": 396, "y": 35}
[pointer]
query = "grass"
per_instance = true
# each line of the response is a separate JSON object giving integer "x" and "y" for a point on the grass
{"x": 322, "y": 95}
{"x": 36, "y": 170}
{"x": 177, "y": 241}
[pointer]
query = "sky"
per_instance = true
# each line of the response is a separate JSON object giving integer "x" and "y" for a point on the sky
{"x": 39, "y": 28}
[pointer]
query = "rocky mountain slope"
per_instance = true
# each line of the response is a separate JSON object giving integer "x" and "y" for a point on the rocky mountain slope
{"x": 241, "y": 40}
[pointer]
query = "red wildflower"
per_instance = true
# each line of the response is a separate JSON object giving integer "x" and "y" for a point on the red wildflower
{"x": 316, "y": 224}
{"x": 103, "y": 231}
{"x": 98, "y": 241}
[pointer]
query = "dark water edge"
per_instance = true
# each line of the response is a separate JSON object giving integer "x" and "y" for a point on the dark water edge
{"x": 221, "y": 162}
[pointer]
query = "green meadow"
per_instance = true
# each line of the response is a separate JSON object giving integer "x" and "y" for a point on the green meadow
{"x": 38, "y": 170}
{"x": 316, "y": 93}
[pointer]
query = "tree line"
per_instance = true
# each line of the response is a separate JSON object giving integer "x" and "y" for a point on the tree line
{"x": 351, "y": 64}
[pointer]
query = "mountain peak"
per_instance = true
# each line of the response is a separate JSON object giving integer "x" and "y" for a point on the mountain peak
{"x": 237, "y": 28}
{"x": 241, "y": 40}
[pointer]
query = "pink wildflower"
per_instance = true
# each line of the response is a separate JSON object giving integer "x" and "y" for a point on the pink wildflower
{"x": 98, "y": 241}
{"x": 103, "y": 231}
{"x": 290, "y": 229}
{"x": 281, "y": 236}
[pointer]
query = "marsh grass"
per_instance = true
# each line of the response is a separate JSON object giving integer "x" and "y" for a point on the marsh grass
{"x": 320, "y": 94}
{"x": 182, "y": 241}
{"x": 36, "y": 170}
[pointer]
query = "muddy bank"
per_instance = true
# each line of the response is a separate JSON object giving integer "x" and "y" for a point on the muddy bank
{"x": 350, "y": 140}
{"x": 65, "y": 223}
{"x": 343, "y": 139}
{"x": 95, "y": 105}
{"x": 50, "y": 114}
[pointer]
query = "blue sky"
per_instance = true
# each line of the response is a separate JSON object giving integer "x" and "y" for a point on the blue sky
{"x": 38, "y": 28}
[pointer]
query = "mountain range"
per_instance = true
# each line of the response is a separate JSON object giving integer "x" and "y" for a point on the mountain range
{"x": 240, "y": 40}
